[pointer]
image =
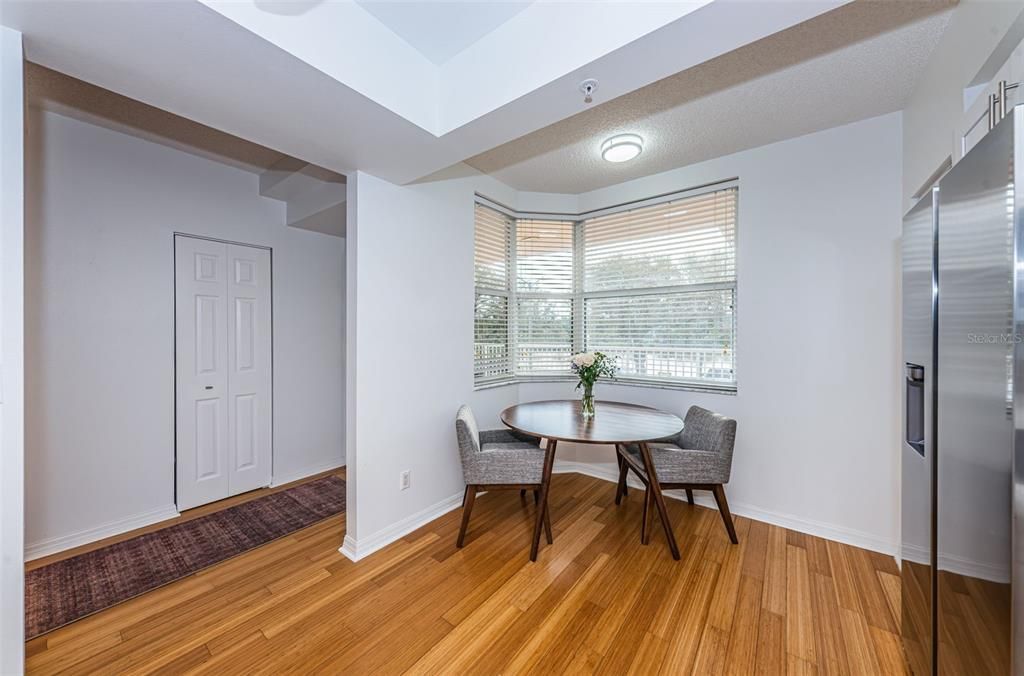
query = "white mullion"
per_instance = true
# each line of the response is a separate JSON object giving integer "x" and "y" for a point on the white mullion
{"x": 735, "y": 288}
{"x": 513, "y": 305}
{"x": 661, "y": 290}
{"x": 544, "y": 294}
{"x": 487, "y": 291}
{"x": 577, "y": 287}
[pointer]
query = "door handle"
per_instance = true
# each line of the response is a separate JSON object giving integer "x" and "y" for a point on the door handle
{"x": 915, "y": 408}
{"x": 208, "y": 387}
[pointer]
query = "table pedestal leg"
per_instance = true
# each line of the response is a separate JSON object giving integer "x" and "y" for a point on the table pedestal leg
{"x": 542, "y": 505}
{"x": 655, "y": 488}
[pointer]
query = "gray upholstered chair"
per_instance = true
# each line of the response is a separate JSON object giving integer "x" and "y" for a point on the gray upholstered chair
{"x": 698, "y": 458}
{"x": 497, "y": 460}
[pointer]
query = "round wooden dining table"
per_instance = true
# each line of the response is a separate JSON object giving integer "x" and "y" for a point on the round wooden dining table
{"x": 614, "y": 423}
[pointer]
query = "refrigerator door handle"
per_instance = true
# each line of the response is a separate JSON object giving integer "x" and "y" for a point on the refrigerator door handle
{"x": 914, "y": 392}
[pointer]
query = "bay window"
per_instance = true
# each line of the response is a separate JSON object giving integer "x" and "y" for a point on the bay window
{"x": 652, "y": 284}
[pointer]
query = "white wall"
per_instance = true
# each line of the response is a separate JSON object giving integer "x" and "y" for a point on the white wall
{"x": 817, "y": 352}
{"x": 12, "y": 581}
{"x": 410, "y": 328}
{"x": 932, "y": 118}
{"x": 102, "y": 210}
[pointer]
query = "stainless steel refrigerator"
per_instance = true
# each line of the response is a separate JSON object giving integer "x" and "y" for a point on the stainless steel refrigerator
{"x": 963, "y": 410}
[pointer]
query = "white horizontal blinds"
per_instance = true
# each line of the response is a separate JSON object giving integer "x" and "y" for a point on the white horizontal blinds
{"x": 677, "y": 336}
{"x": 491, "y": 258}
{"x": 490, "y": 335}
{"x": 686, "y": 241}
{"x": 543, "y": 256}
{"x": 544, "y": 301}
{"x": 659, "y": 289}
{"x": 491, "y": 248}
{"x": 543, "y": 336}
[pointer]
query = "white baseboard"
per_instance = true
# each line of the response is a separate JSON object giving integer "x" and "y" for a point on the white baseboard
{"x": 282, "y": 479}
{"x": 975, "y": 569}
{"x": 915, "y": 554}
{"x": 959, "y": 565}
{"x": 362, "y": 548}
{"x": 35, "y": 550}
{"x": 356, "y": 550}
{"x": 850, "y": 536}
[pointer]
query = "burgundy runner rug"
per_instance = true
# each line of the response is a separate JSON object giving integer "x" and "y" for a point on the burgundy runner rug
{"x": 68, "y": 590}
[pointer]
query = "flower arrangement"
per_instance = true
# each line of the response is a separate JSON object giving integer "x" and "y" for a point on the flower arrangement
{"x": 589, "y": 366}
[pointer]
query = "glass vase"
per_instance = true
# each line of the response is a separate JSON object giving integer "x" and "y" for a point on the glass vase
{"x": 587, "y": 405}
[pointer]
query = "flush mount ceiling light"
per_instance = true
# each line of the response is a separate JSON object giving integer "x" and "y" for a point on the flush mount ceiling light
{"x": 622, "y": 148}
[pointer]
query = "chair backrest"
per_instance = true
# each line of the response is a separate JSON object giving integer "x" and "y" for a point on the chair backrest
{"x": 468, "y": 434}
{"x": 706, "y": 430}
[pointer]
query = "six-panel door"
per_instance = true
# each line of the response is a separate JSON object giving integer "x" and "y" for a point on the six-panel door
{"x": 223, "y": 369}
{"x": 249, "y": 368}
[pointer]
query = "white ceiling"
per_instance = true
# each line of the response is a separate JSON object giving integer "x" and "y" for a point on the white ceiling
{"x": 440, "y": 30}
{"x": 841, "y": 67}
{"x": 343, "y": 40}
{"x": 326, "y": 82}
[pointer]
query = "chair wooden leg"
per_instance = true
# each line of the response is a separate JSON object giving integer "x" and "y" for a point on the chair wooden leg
{"x": 467, "y": 509}
{"x": 659, "y": 500}
{"x": 620, "y": 490}
{"x": 547, "y": 517}
{"x": 645, "y": 525}
{"x": 723, "y": 507}
{"x": 689, "y": 496}
{"x": 522, "y": 496}
{"x": 545, "y": 484}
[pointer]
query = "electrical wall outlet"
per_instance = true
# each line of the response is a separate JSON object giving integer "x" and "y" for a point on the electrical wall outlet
{"x": 404, "y": 479}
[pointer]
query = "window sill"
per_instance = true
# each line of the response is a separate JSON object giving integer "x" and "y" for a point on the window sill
{"x": 728, "y": 390}
{"x": 492, "y": 384}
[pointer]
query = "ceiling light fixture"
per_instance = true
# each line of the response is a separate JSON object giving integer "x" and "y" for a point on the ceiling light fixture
{"x": 622, "y": 148}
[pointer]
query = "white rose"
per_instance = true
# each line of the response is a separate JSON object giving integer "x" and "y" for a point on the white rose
{"x": 584, "y": 359}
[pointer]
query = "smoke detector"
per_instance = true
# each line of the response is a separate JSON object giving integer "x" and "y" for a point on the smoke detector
{"x": 587, "y": 88}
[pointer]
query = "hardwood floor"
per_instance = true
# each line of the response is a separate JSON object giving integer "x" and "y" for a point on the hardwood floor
{"x": 595, "y": 601}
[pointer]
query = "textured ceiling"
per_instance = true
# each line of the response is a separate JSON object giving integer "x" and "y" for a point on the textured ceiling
{"x": 440, "y": 30}
{"x": 855, "y": 62}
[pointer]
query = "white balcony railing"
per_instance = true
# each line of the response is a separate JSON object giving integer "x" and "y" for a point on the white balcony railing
{"x": 714, "y": 365}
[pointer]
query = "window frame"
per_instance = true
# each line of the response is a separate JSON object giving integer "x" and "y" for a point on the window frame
{"x": 579, "y": 296}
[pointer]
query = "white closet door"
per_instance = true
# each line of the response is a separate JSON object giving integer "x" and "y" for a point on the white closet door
{"x": 223, "y": 370}
{"x": 249, "y": 364}
{"x": 201, "y": 328}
